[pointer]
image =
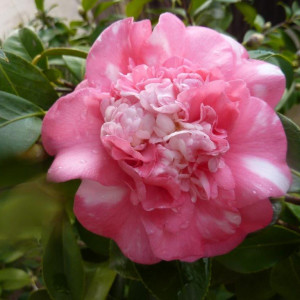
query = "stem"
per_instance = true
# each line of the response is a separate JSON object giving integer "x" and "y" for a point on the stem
{"x": 36, "y": 114}
{"x": 289, "y": 226}
{"x": 59, "y": 51}
{"x": 291, "y": 199}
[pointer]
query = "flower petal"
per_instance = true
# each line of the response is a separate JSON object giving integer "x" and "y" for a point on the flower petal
{"x": 117, "y": 47}
{"x": 264, "y": 80}
{"x": 78, "y": 149}
{"x": 167, "y": 40}
{"x": 208, "y": 49}
{"x": 107, "y": 211}
{"x": 257, "y": 153}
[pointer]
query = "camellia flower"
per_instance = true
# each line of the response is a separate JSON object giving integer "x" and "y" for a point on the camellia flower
{"x": 174, "y": 135}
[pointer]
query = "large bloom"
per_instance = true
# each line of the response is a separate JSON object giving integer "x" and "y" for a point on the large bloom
{"x": 174, "y": 136}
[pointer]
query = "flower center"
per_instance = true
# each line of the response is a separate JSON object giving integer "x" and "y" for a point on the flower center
{"x": 147, "y": 127}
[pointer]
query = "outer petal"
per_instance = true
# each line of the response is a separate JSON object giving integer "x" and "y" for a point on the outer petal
{"x": 107, "y": 211}
{"x": 257, "y": 154}
{"x": 71, "y": 131}
{"x": 239, "y": 50}
{"x": 208, "y": 49}
{"x": 115, "y": 50}
{"x": 264, "y": 80}
{"x": 167, "y": 40}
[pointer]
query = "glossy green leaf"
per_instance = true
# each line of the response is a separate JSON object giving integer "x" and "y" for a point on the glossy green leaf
{"x": 88, "y": 4}
{"x": 40, "y": 294}
{"x": 62, "y": 265}
{"x": 204, "y": 5}
{"x": 248, "y": 11}
{"x": 135, "y": 7}
{"x": 76, "y": 65}
{"x": 120, "y": 263}
{"x": 97, "y": 243}
{"x": 21, "y": 78}
{"x": 99, "y": 279}
{"x": 3, "y": 56}
{"x": 292, "y": 132}
{"x": 13, "y": 279}
{"x": 261, "y": 250}
{"x": 101, "y": 7}
{"x": 40, "y": 4}
{"x": 26, "y": 44}
{"x": 20, "y": 125}
{"x": 285, "y": 277}
{"x": 197, "y": 275}
{"x": 295, "y": 209}
{"x": 254, "y": 286}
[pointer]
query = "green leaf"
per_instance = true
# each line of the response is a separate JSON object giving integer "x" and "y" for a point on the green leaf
{"x": 203, "y": 6}
{"x": 21, "y": 78}
{"x": 96, "y": 243}
{"x": 13, "y": 279}
{"x": 26, "y": 44}
{"x": 295, "y": 209}
{"x": 197, "y": 275}
{"x": 88, "y": 4}
{"x": 162, "y": 279}
{"x": 120, "y": 263}
{"x": 39, "y": 5}
{"x": 62, "y": 264}
{"x": 248, "y": 11}
{"x": 135, "y": 7}
{"x": 20, "y": 125}
{"x": 40, "y": 294}
{"x": 99, "y": 279}
{"x": 261, "y": 250}
{"x": 285, "y": 278}
{"x": 102, "y": 6}
{"x": 76, "y": 65}
{"x": 3, "y": 56}
{"x": 59, "y": 51}
{"x": 254, "y": 286}
{"x": 292, "y": 132}
{"x": 219, "y": 293}
{"x": 17, "y": 170}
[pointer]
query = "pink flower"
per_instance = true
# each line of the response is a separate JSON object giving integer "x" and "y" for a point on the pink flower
{"x": 174, "y": 136}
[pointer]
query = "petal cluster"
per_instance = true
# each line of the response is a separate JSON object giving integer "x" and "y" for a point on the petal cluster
{"x": 174, "y": 135}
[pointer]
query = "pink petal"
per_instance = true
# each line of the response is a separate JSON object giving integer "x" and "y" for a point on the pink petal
{"x": 257, "y": 153}
{"x": 71, "y": 131}
{"x": 117, "y": 47}
{"x": 264, "y": 80}
{"x": 256, "y": 216}
{"x": 208, "y": 49}
{"x": 107, "y": 211}
{"x": 165, "y": 41}
{"x": 238, "y": 49}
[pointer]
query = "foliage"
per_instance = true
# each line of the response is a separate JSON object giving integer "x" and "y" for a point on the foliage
{"x": 44, "y": 251}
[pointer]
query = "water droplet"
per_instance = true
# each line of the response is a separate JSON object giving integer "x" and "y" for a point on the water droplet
{"x": 175, "y": 210}
{"x": 95, "y": 151}
{"x": 254, "y": 192}
{"x": 60, "y": 167}
{"x": 82, "y": 161}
